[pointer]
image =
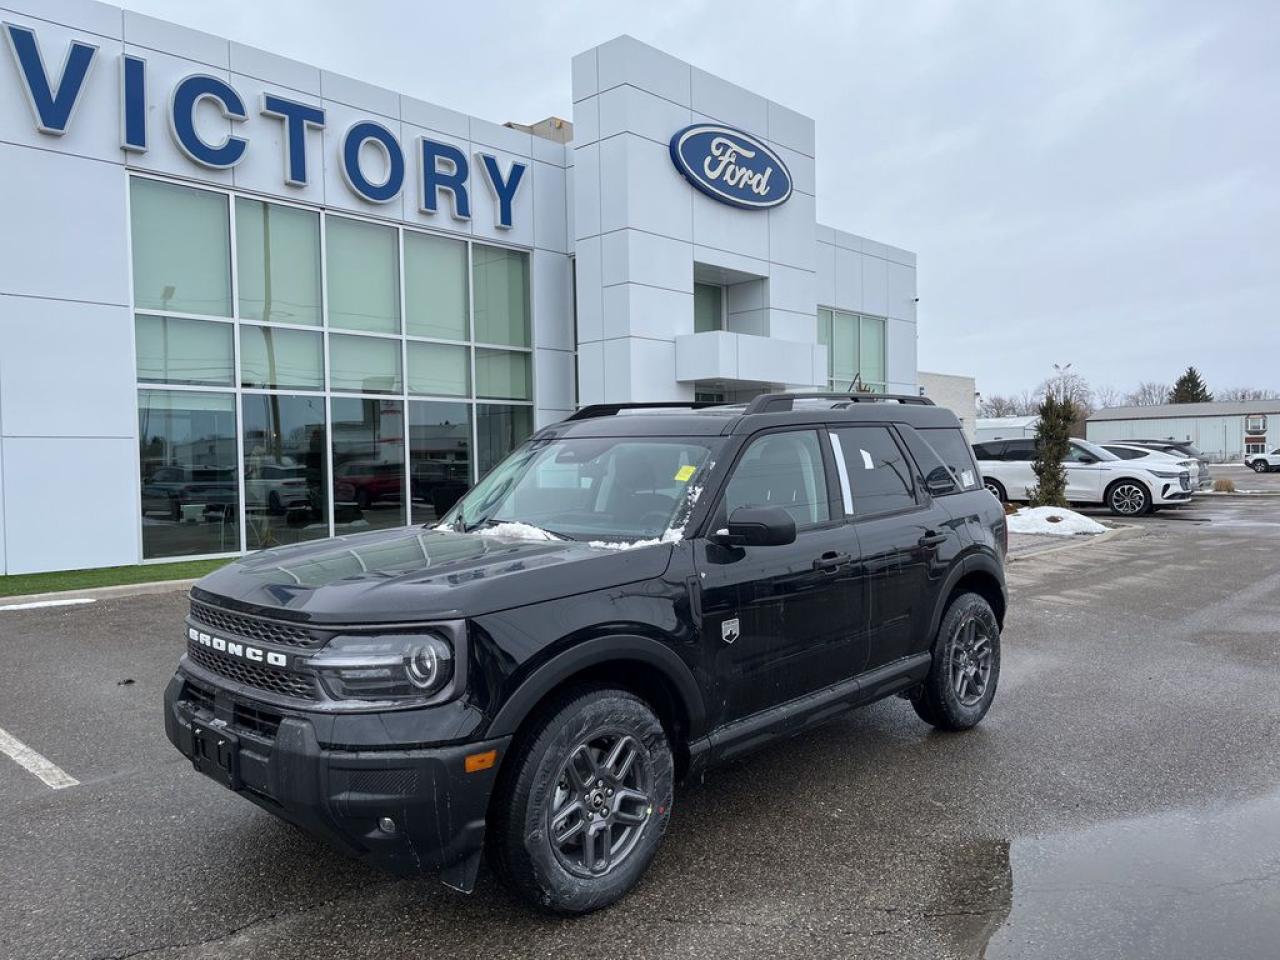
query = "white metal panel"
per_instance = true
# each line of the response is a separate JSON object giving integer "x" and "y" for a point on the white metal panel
{"x": 64, "y": 218}
{"x": 79, "y": 503}
{"x": 67, "y": 369}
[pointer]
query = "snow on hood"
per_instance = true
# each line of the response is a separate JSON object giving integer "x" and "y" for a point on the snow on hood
{"x": 1053, "y": 520}
{"x": 512, "y": 530}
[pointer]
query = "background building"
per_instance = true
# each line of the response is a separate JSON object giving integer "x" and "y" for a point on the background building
{"x": 958, "y": 394}
{"x": 1005, "y": 428}
{"x": 245, "y": 301}
{"x": 1224, "y": 432}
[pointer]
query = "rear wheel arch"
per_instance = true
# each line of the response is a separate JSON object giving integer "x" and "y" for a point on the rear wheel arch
{"x": 980, "y": 574}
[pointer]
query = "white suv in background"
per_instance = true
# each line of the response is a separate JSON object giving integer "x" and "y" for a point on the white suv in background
{"x": 1263, "y": 462}
{"x": 1127, "y": 487}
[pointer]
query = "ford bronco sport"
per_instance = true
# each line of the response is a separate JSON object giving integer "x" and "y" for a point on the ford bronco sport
{"x": 635, "y": 594}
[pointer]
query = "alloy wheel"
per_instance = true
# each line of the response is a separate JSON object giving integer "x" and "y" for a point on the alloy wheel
{"x": 994, "y": 490}
{"x": 969, "y": 657}
{"x": 600, "y": 804}
{"x": 1129, "y": 499}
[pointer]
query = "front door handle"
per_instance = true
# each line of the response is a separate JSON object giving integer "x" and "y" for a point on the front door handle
{"x": 932, "y": 539}
{"x": 831, "y": 560}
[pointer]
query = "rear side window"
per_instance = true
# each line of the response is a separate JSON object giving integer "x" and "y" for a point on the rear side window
{"x": 878, "y": 470}
{"x": 1020, "y": 450}
{"x": 989, "y": 451}
{"x": 930, "y": 468}
{"x": 1126, "y": 453}
{"x": 952, "y": 447}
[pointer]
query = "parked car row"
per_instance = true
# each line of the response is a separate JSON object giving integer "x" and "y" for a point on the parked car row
{"x": 1127, "y": 486}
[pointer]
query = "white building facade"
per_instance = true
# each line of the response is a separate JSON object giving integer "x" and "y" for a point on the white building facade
{"x": 1224, "y": 432}
{"x": 245, "y": 301}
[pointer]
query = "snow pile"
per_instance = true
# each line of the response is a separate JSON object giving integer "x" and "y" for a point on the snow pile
{"x": 516, "y": 531}
{"x": 1052, "y": 520}
{"x": 673, "y": 535}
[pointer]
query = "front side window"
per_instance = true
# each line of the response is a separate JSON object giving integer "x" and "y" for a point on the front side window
{"x": 878, "y": 470}
{"x": 781, "y": 470}
{"x": 608, "y": 489}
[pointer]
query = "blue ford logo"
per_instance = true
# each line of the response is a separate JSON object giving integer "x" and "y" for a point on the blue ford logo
{"x": 731, "y": 166}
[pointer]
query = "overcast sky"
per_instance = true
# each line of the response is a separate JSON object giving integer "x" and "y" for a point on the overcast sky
{"x": 1094, "y": 182}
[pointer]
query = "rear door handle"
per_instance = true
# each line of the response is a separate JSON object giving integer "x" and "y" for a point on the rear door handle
{"x": 831, "y": 560}
{"x": 932, "y": 539}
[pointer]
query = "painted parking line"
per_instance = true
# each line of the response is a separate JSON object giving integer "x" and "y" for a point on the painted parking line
{"x": 48, "y": 771}
{"x": 75, "y": 601}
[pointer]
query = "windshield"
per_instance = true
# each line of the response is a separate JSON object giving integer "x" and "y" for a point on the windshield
{"x": 599, "y": 488}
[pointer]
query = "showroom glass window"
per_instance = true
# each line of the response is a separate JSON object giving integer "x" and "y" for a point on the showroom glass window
{"x": 189, "y": 479}
{"x": 368, "y": 464}
{"x": 376, "y": 369}
{"x": 286, "y": 490}
{"x": 855, "y": 349}
{"x": 439, "y": 457}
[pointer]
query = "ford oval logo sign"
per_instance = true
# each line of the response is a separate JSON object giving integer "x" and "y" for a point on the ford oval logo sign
{"x": 731, "y": 166}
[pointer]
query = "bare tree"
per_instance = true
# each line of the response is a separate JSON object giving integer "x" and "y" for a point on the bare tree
{"x": 1108, "y": 396}
{"x": 1149, "y": 394}
{"x": 998, "y": 405}
{"x": 1248, "y": 393}
{"x": 1067, "y": 384}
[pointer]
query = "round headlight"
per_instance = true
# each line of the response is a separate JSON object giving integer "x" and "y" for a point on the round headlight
{"x": 423, "y": 666}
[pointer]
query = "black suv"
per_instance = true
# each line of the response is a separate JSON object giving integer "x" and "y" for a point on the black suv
{"x": 633, "y": 595}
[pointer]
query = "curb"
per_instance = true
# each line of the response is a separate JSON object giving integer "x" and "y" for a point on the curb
{"x": 102, "y": 593}
{"x": 1117, "y": 532}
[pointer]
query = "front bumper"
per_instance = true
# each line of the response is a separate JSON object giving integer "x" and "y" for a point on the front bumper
{"x": 341, "y": 794}
{"x": 1171, "y": 492}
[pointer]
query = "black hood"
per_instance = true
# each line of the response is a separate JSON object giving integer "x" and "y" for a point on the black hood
{"x": 405, "y": 575}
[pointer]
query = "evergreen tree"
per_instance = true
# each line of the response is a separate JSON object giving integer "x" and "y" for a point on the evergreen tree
{"x": 1190, "y": 388}
{"x": 1053, "y": 443}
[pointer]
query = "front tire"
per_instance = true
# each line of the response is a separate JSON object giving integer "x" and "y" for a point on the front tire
{"x": 962, "y": 680}
{"x": 582, "y": 807}
{"x": 1128, "y": 498}
{"x": 1260, "y": 466}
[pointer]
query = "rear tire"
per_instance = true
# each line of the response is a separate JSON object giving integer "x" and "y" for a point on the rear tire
{"x": 996, "y": 489}
{"x": 962, "y": 680}
{"x": 582, "y": 805}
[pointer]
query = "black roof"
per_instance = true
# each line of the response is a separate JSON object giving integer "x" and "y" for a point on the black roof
{"x": 681, "y": 419}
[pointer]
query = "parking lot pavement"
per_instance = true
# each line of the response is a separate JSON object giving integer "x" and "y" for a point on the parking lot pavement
{"x": 1121, "y": 799}
{"x": 1246, "y": 479}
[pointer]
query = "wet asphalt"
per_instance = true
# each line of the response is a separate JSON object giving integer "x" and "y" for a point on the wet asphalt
{"x": 1122, "y": 799}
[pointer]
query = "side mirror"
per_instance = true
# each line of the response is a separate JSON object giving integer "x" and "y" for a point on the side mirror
{"x": 939, "y": 482}
{"x": 1087, "y": 458}
{"x": 757, "y": 527}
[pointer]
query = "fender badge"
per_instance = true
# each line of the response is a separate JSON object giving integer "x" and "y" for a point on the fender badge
{"x": 729, "y": 630}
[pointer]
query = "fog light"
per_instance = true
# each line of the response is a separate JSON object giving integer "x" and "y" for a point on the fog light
{"x": 387, "y": 825}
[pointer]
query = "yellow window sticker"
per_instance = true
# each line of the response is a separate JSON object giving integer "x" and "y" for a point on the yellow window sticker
{"x": 685, "y": 472}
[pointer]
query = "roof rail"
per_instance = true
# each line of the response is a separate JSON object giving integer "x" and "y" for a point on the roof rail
{"x": 781, "y": 402}
{"x": 593, "y": 410}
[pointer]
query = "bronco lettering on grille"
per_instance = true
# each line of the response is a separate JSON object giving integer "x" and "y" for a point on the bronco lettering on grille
{"x": 235, "y": 649}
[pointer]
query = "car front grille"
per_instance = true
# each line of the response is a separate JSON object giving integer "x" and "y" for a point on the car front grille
{"x": 255, "y": 628}
{"x": 282, "y": 682}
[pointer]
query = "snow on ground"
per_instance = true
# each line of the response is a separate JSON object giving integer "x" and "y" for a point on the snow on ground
{"x": 1052, "y": 520}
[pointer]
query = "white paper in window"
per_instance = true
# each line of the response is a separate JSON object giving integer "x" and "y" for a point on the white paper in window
{"x": 866, "y": 460}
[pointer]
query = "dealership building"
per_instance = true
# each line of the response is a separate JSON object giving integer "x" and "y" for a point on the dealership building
{"x": 245, "y": 301}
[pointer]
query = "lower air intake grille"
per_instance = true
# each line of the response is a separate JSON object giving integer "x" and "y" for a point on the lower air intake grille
{"x": 253, "y": 675}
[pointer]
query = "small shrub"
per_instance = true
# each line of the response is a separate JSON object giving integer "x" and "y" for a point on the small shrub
{"x": 1224, "y": 485}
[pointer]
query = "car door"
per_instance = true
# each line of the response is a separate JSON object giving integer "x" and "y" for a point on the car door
{"x": 1019, "y": 455}
{"x": 906, "y": 537}
{"x": 779, "y": 622}
{"x": 1084, "y": 475}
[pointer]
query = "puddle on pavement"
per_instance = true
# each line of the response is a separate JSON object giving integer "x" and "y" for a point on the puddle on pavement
{"x": 1189, "y": 884}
